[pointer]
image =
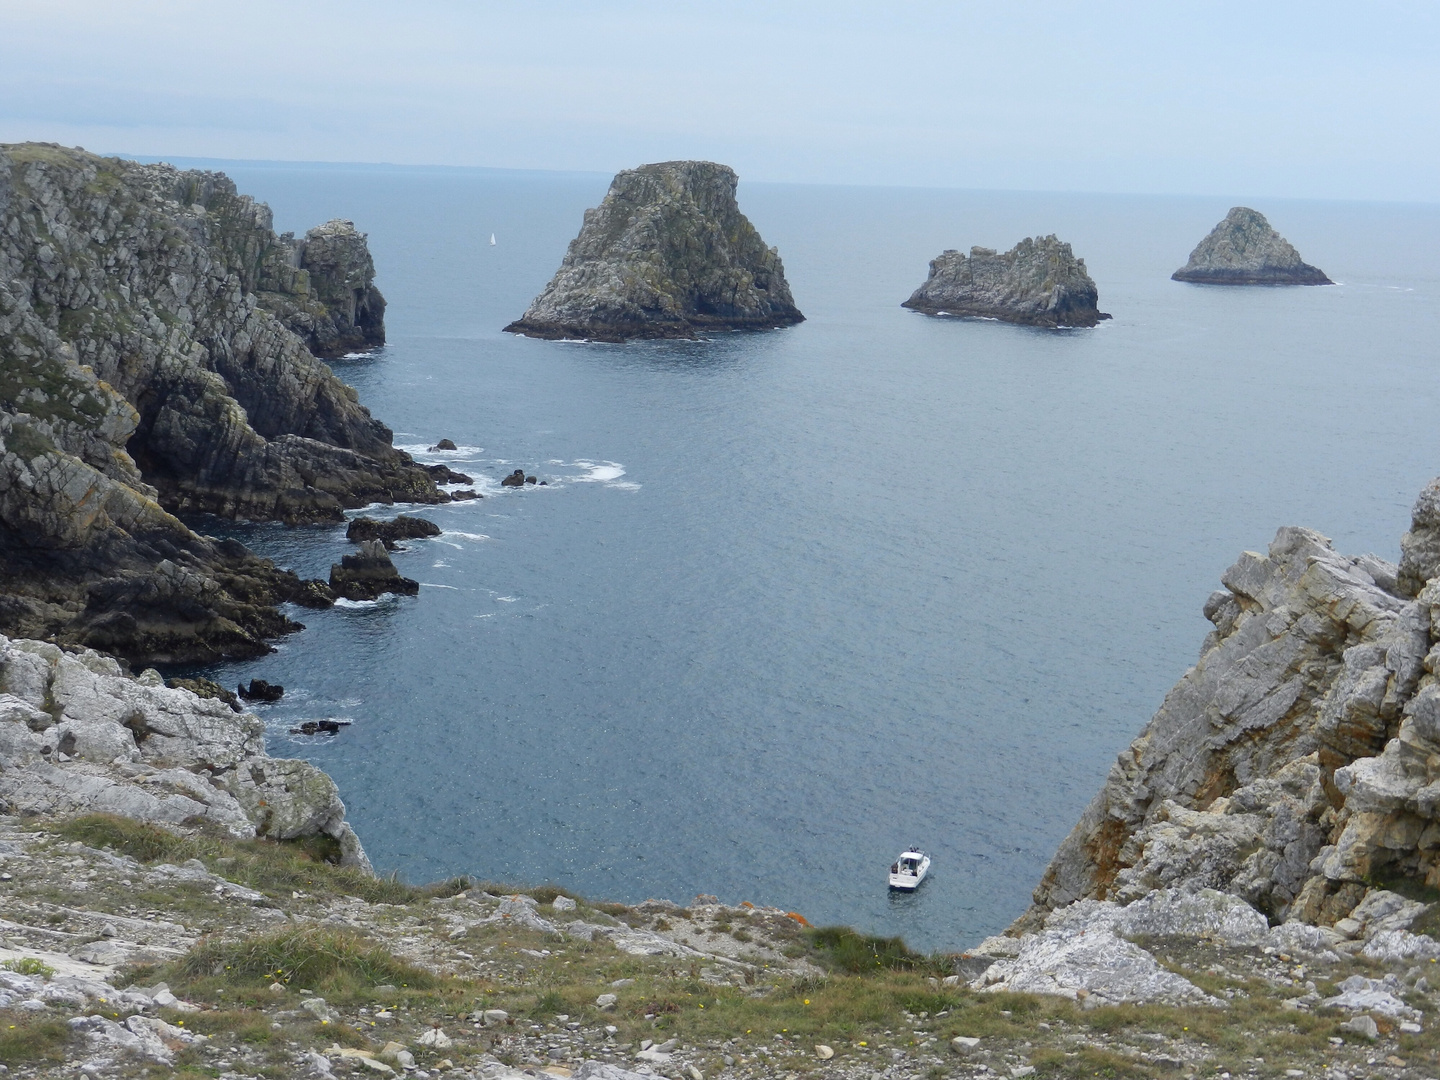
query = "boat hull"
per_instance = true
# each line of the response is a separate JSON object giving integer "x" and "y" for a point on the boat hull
{"x": 910, "y": 882}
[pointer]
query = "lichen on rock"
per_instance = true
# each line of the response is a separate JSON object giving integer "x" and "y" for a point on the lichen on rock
{"x": 1038, "y": 282}
{"x": 1244, "y": 250}
{"x": 667, "y": 254}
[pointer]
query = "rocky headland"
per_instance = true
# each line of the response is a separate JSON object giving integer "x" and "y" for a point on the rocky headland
{"x": 158, "y": 357}
{"x": 1244, "y": 250}
{"x": 667, "y": 254}
{"x": 1038, "y": 282}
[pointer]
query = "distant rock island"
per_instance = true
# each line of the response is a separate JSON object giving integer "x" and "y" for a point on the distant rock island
{"x": 1038, "y": 282}
{"x": 1244, "y": 250}
{"x": 158, "y": 348}
{"x": 667, "y": 254}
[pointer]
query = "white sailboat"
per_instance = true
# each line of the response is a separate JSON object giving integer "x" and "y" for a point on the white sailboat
{"x": 492, "y": 239}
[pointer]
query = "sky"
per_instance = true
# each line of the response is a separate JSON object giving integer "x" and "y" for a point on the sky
{"x": 1284, "y": 99}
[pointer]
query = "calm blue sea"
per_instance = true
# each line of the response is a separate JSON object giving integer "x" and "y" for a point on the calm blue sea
{"x": 791, "y": 601}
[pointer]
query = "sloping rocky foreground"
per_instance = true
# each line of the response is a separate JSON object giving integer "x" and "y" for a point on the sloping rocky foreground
{"x": 158, "y": 356}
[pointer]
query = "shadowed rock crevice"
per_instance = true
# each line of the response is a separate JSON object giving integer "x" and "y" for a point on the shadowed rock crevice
{"x": 668, "y": 254}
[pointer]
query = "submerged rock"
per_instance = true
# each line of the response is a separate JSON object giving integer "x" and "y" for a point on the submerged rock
{"x": 1244, "y": 250}
{"x": 667, "y": 254}
{"x": 1038, "y": 282}
{"x": 260, "y": 690}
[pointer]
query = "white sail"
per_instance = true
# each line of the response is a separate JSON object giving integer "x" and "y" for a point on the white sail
{"x": 492, "y": 239}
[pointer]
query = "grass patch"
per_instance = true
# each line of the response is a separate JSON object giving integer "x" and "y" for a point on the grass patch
{"x": 335, "y": 963}
{"x": 26, "y": 1038}
{"x": 308, "y": 864}
{"x": 28, "y": 965}
{"x": 1090, "y": 1061}
{"x": 839, "y": 948}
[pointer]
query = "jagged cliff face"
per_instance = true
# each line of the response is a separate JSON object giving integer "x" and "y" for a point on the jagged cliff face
{"x": 1244, "y": 250}
{"x": 143, "y": 374}
{"x": 1299, "y": 760}
{"x": 667, "y": 254}
{"x": 1038, "y": 282}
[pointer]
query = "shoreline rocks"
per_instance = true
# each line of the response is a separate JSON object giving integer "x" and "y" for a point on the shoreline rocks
{"x": 667, "y": 254}
{"x": 369, "y": 574}
{"x": 160, "y": 346}
{"x": 1244, "y": 250}
{"x": 390, "y": 533}
{"x": 1038, "y": 282}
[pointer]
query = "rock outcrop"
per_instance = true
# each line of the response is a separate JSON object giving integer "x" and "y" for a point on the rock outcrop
{"x": 77, "y": 736}
{"x": 390, "y": 533}
{"x": 369, "y": 574}
{"x": 1244, "y": 250}
{"x": 1038, "y": 282}
{"x": 667, "y": 254}
{"x": 143, "y": 374}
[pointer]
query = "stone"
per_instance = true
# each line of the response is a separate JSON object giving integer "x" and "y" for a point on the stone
{"x": 606, "y": 1002}
{"x": 1038, "y": 282}
{"x": 436, "y": 1039}
{"x": 148, "y": 375}
{"x": 564, "y": 903}
{"x": 1371, "y": 995}
{"x": 317, "y": 1008}
{"x": 1363, "y": 1026}
{"x": 964, "y": 1043}
{"x": 444, "y": 444}
{"x": 260, "y": 690}
{"x": 1244, "y": 250}
{"x": 667, "y": 254}
{"x": 390, "y": 533}
{"x": 823, "y": 1052}
{"x": 369, "y": 574}
{"x": 515, "y": 479}
{"x": 206, "y": 688}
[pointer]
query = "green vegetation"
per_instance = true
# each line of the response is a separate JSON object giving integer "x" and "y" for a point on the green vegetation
{"x": 840, "y": 948}
{"x": 26, "y": 1038}
{"x": 28, "y": 965}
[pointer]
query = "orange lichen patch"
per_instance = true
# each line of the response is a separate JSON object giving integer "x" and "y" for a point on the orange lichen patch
{"x": 797, "y": 917}
{"x": 1105, "y": 844}
{"x": 747, "y": 904}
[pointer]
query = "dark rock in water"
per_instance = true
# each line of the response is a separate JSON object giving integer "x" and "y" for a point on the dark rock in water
{"x": 443, "y": 474}
{"x": 260, "y": 690}
{"x": 322, "y": 288}
{"x": 530, "y": 479}
{"x": 390, "y": 533}
{"x": 515, "y": 479}
{"x": 1244, "y": 250}
{"x": 151, "y": 367}
{"x": 461, "y": 496}
{"x": 1038, "y": 282}
{"x": 443, "y": 444}
{"x": 320, "y": 727}
{"x": 666, "y": 254}
{"x": 206, "y": 688}
{"x": 369, "y": 574}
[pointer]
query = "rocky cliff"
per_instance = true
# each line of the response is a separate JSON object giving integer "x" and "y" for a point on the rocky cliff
{"x": 144, "y": 373}
{"x": 77, "y": 736}
{"x": 1297, "y": 763}
{"x": 1244, "y": 250}
{"x": 1038, "y": 282}
{"x": 667, "y": 254}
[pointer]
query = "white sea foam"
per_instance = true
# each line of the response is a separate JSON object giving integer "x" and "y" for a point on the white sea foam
{"x": 465, "y": 535}
{"x": 436, "y": 585}
{"x": 342, "y": 602}
{"x": 507, "y": 599}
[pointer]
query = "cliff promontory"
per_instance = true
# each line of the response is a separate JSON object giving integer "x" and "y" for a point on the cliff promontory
{"x": 144, "y": 373}
{"x": 1038, "y": 282}
{"x": 667, "y": 254}
{"x": 1244, "y": 250}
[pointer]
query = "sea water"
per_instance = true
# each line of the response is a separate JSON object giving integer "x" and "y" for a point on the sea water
{"x": 791, "y": 601}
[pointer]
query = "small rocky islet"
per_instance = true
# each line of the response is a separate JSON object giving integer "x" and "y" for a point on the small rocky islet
{"x": 1243, "y": 249}
{"x": 667, "y": 254}
{"x": 1038, "y": 282}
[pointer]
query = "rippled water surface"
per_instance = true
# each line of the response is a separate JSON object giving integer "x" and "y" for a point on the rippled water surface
{"x": 791, "y": 601}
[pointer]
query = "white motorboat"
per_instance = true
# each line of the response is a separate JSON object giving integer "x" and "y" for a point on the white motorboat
{"x": 908, "y": 871}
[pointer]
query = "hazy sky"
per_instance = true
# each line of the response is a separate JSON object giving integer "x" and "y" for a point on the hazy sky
{"x": 1307, "y": 99}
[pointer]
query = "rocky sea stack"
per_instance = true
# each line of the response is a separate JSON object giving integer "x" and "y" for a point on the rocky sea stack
{"x": 1038, "y": 282}
{"x": 668, "y": 254}
{"x": 157, "y": 357}
{"x": 1244, "y": 250}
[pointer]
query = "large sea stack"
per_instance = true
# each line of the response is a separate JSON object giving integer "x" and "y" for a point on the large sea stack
{"x": 156, "y": 341}
{"x": 1038, "y": 282}
{"x": 1244, "y": 250}
{"x": 667, "y": 254}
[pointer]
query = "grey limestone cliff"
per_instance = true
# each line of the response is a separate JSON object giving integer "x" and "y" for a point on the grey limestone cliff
{"x": 1038, "y": 282}
{"x": 667, "y": 254}
{"x": 1298, "y": 762}
{"x": 145, "y": 374}
{"x": 1244, "y": 250}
